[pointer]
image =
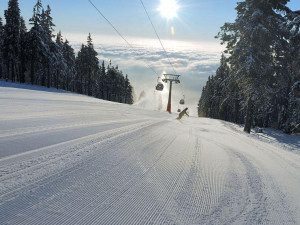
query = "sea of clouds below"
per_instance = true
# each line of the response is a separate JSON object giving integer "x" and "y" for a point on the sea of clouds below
{"x": 194, "y": 61}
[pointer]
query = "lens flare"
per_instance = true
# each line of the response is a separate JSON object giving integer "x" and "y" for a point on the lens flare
{"x": 173, "y": 31}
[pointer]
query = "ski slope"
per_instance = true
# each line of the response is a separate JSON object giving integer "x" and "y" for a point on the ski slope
{"x": 71, "y": 159}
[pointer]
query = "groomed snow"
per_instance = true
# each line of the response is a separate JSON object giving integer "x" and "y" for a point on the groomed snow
{"x": 71, "y": 159}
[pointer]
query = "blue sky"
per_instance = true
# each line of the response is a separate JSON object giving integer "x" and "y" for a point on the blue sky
{"x": 198, "y": 20}
{"x": 193, "y": 49}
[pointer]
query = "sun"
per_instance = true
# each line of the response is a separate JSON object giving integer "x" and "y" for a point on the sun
{"x": 168, "y": 8}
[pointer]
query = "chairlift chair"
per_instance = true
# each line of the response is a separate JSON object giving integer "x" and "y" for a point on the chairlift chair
{"x": 181, "y": 102}
{"x": 159, "y": 86}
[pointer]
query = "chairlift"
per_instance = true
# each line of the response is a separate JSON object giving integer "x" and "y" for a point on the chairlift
{"x": 159, "y": 86}
{"x": 181, "y": 102}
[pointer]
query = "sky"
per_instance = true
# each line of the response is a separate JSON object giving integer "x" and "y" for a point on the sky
{"x": 188, "y": 37}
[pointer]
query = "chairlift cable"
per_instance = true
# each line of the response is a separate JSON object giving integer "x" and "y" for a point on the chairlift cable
{"x": 146, "y": 11}
{"x": 107, "y": 20}
{"x": 158, "y": 36}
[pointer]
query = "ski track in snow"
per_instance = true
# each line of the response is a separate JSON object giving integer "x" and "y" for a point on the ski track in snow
{"x": 71, "y": 159}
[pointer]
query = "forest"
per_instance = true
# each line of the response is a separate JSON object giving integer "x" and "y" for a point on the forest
{"x": 258, "y": 81}
{"x": 36, "y": 56}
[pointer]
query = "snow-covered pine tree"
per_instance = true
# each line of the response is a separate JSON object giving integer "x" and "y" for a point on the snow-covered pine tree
{"x": 92, "y": 67}
{"x": 102, "y": 86}
{"x": 109, "y": 82}
{"x": 224, "y": 92}
{"x": 23, "y": 53}
{"x": 59, "y": 65}
{"x": 1, "y": 52}
{"x": 250, "y": 40}
{"x": 117, "y": 88}
{"x": 83, "y": 69}
{"x": 128, "y": 91}
{"x": 70, "y": 73}
{"x": 11, "y": 42}
{"x": 120, "y": 85}
{"x": 201, "y": 104}
{"x": 112, "y": 78}
{"x": 54, "y": 64}
{"x": 292, "y": 124}
{"x": 37, "y": 48}
{"x": 80, "y": 70}
{"x": 37, "y": 10}
{"x": 205, "y": 102}
{"x": 47, "y": 23}
{"x": 294, "y": 43}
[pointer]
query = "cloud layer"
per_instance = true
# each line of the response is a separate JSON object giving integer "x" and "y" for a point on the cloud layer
{"x": 194, "y": 61}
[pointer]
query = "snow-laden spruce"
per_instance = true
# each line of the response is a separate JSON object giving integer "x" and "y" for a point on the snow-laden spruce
{"x": 39, "y": 57}
{"x": 257, "y": 83}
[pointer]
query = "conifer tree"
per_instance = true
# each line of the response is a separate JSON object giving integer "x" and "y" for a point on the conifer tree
{"x": 93, "y": 65}
{"x": 261, "y": 83}
{"x": 70, "y": 73}
{"x": 128, "y": 91}
{"x": 102, "y": 82}
{"x": 80, "y": 68}
{"x": 47, "y": 23}
{"x": 37, "y": 48}
{"x": 1, "y": 46}
{"x": 23, "y": 53}
{"x": 53, "y": 63}
{"x": 58, "y": 62}
{"x": 11, "y": 45}
{"x": 292, "y": 124}
{"x": 37, "y": 11}
{"x": 249, "y": 41}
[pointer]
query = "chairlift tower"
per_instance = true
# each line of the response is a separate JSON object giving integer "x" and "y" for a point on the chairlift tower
{"x": 171, "y": 78}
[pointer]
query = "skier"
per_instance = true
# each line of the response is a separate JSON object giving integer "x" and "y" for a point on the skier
{"x": 182, "y": 114}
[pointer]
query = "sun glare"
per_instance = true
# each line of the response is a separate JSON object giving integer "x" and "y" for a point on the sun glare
{"x": 168, "y": 8}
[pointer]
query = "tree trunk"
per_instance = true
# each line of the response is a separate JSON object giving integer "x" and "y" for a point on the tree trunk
{"x": 43, "y": 81}
{"x": 236, "y": 111}
{"x": 56, "y": 78}
{"x": 32, "y": 69}
{"x": 13, "y": 78}
{"x": 48, "y": 76}
{"x": 7, "y": 72}
{"x": 249, "y": 116}
{"x": 22, "y": 72}
{"x": 1, "y": 67}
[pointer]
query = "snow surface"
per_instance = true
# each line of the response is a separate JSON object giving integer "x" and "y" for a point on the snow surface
{"x": 71, "y": 159}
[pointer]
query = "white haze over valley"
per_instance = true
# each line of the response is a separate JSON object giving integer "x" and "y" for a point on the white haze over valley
{"x": 195, "y": 61}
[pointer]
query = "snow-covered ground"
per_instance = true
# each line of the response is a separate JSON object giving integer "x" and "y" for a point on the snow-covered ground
{"x": 71, "y": 159}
